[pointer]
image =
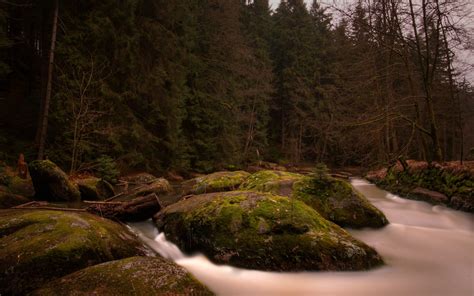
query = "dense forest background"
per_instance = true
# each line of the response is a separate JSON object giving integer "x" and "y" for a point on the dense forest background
{"x": 211, "y": 84}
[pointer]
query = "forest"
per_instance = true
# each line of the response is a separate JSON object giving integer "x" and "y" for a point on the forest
{"x": 206, "y": 85}
{"x": 236, "y": 147}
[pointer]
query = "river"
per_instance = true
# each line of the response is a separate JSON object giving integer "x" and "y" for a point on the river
{"x": 428, "y": 250}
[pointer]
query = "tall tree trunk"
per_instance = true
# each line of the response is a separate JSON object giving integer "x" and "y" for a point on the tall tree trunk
{"x": 43, "y": 127}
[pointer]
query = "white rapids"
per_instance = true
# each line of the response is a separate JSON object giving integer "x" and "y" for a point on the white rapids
{"x": 428, "y": 250}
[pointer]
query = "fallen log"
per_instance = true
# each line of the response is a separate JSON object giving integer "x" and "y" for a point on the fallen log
{"x": 138, "y": 209}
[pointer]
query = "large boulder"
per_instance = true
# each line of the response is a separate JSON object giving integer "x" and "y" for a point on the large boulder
{"x": 37, "y": 246}
{"x": 159, "y": 186}
{"x": 51, "y": 183}
{"x": 215, "y": 182}
{"x": 333, "y": 198}
{"x": 93, "y": 188}
{"x": 142, "y": 275}
{"x": 142, "y": 184}
{"x": 277, "y": 182}
{"x": 337, "y": 201}
{"x": 262, "y": 231}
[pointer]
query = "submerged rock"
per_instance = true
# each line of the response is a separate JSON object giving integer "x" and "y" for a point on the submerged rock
{"x": 51, "y": 183}
{"x": 37, "y": 246}
{"x": 215, "y": 182}
{"x": 262, "y": 231}
{"x": 334, "y": 199}
{"x": 136, "y": 275}
{"x": 93, "y": 188}
{"x": 337, "y": 201}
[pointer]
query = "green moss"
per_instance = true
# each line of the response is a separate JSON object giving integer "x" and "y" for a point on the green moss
{"x": 51, "y": 183}
{"x": 95, "y": 189}
{"x": 271, "y": 181}
{"x": 262, "y": 231}
{"x": 136, "y": 275}
{"x": 215, "y": 182}
{"x": 338, "y": 202}
{"x": 452, "y": 183}
{"x": 37, "y": 246}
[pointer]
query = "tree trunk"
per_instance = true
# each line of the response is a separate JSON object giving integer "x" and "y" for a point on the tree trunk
{"x": 43, "y": 126}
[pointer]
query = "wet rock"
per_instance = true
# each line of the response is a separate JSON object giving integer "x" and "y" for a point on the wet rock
{"x": 215, "y": 182}
{"x": 37, "y": 246}
{"x": 262, "y": 231}
{"x": 136, "y": 275}
{"x": 51, "y": 183}
{"x": 429, "y": 195}
{"x": 94, "y": 188}
{"x": 338, "y": 202}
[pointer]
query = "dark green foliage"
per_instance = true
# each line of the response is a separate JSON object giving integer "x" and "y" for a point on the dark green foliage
{"x": 107, "y": 169}
{"x": 212, "y": 84}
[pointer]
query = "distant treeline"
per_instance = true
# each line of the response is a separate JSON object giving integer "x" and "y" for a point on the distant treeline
{"x": 208, "y": 84}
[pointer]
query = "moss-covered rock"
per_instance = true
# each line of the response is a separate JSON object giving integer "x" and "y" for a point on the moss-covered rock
{"x": 94, "y": 189}
{"x": 37, "y": 246}
{"x": 277, "y": 182}
{"x": 21, "y": 186}
{"x": 131, "y": 276}
{"x": 215, "y": 182}
{"x": 158, "y": 186}
{"x": 51, "y": 183}
{"x": 338, "y": 202}
{"x": 334, "y": 199}
{"x": 8, "y": 200}
{"x": 262, "y": 231}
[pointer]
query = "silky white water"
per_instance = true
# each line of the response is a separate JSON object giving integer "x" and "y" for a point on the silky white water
{"x": 428, "y": 250}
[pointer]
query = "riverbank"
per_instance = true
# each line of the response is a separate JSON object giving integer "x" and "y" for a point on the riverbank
{"x": 449, "y": 183}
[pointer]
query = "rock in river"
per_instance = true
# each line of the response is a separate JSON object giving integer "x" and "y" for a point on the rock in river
{"x": 215, "y": 182}
{"x": 131, "y": 276}
{"x": 37, "y": 246}
{"x": 93, "y": 188}
{"x": 262, "y": 231}
{"x": 51, "y": 183}
{"x": 338, "y": 202}
{"x": 333, "y": 198}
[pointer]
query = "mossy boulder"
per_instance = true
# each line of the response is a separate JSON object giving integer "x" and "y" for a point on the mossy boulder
{"x": 262, "y": 231}
{"x": 21, "y": 186}
{"x": 8, "y": 200}
{"x": 277, "y": 182}
{"x": 334, "y": 199}
{"x": 9, "y": 179}
{"x": 215, "y": 182}
{"x": 51, "y": 183}
{"x": 337, "y": 201}
{"x": 136, "y": 275}
{"x": 158, "y": 186}
{"x": 93, "y": 188}
{"x": 37, "y": 246}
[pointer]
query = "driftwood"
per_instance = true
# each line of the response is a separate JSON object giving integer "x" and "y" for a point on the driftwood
{"x": 138, "y": 209}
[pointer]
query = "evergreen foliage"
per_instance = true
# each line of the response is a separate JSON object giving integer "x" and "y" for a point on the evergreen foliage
{"x": 212, "y": 84}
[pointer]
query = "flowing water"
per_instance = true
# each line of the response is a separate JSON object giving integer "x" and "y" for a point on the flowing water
{"x": 428, "y": 250}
